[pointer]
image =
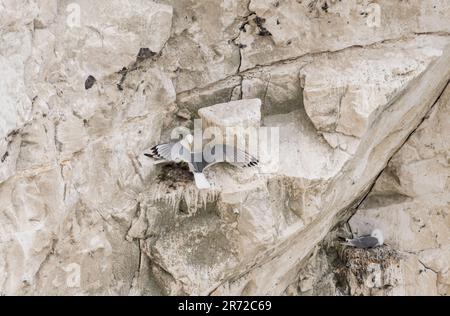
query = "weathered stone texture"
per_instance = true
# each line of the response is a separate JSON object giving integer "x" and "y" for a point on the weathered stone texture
{"x": 88, "y": 86}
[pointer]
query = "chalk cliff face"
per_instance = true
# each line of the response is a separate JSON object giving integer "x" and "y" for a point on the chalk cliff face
{"x": 358, "y": 91}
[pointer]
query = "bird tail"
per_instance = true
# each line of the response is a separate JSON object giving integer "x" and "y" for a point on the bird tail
{"x": 201, "y": 182}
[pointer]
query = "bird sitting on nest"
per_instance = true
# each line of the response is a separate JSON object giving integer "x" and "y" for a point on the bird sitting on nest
{"x": 375, "y": 239}
{"x": 200, "y": 161}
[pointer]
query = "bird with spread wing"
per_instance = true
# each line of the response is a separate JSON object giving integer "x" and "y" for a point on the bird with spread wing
{"x": 200, "y": 161}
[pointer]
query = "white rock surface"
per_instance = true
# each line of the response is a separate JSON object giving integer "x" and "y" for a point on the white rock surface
{"x": 83, "y": 212}
{"x": 344, "y": 94}
{"x": 301, "y": 27}
{"x": 235, "y": 123}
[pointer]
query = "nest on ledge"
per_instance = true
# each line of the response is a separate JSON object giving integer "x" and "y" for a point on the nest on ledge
{"x": 357, "y": 261}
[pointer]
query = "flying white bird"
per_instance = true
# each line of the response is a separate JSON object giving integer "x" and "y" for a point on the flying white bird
{"x": 373, "y": 240}
{"x": 200, "y": 161}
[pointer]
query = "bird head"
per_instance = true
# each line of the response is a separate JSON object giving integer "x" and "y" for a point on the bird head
{"x": 378, "y": 235}
{"x": 188, "y": 141}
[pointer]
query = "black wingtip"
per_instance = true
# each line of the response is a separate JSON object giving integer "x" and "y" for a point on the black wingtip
{"x": 149, "y": 155}
{"x": 252, "y": 164}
